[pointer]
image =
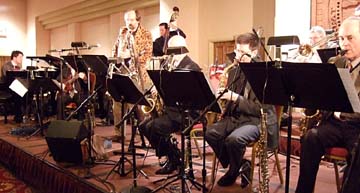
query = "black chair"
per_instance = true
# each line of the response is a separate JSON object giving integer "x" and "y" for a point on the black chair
{"x": 5, "y": 99}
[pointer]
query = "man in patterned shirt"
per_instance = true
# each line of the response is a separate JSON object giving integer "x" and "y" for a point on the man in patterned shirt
{"x": 139, "y": 44}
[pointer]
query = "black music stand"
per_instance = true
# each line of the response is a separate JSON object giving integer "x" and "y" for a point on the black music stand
{"x": 97, "y": 64}
{"x": 125, "y": 90}
{"x": 327, "y": 53}
{"x": 39, "y": 85}
{"x": 305, "y": 85}
{"x": 175, "y": 91}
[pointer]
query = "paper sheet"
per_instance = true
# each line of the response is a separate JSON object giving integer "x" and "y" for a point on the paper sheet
{"x": 18, "y": 88}
{"x": 350, "y": 88}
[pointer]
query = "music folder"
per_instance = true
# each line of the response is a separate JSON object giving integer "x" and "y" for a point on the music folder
{"x": 326, "y": 54}
{"x": 311, "y": 85}
{"x": 124, "y": 89}
{"x": 185, "y": 88}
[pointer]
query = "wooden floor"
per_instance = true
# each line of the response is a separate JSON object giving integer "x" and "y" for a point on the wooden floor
{"x": 116, "y": 183}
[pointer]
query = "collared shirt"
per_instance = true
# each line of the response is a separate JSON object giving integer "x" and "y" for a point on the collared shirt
{"x": 15, "y": 66}
{"x": 177, "y": 59}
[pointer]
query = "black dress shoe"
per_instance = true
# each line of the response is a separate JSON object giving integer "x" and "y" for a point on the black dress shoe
{"x": 18, "y": 119}
{"x": 169, "y": 167}
{"x": 227, "y": 179}
{"x": 245, "y": 173}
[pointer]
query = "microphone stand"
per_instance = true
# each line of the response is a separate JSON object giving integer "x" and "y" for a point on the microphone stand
{"x": 204, "y": 122}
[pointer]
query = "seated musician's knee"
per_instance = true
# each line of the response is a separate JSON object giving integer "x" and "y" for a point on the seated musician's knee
{"x": 211, "y": 135}
{"x": 311, "y": 136}
{"x": 234, "y": 141}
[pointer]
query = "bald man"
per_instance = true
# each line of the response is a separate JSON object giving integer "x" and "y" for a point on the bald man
{"x": 337, "y": 128}
{"x": 159, "y": 129}
{"x": 138, "y": 42}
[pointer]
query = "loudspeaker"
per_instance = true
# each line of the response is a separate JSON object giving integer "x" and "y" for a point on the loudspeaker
{"x": 64, "y": 140}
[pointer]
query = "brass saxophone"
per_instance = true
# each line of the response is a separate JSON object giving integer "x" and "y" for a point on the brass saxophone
{"x": 156, "y": 106}
{"x": 134, "y": 67}
{"x": 223, "y": 83}
{"x": 262, "y": 154}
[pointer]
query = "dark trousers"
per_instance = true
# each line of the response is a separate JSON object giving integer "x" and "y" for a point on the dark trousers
{"x": 331, "y": 133}
{"x": 228, "y": 139}
{"x": 158, "y": 131}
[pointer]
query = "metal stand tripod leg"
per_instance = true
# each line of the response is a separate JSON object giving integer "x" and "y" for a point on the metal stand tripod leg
{"x": 38, "y": 115}
{"x": 123, "y": 159}
{"x": 190, "y": 175}
{"x": 134, "y": 125}
{"x": 182, "y": 175}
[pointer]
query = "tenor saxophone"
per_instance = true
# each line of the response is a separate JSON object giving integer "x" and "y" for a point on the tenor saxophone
{"x": 262, "y": 155}
{"x": 222, "y": 84}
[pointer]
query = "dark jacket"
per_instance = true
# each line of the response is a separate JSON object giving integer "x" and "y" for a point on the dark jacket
{"x": 247, "y": 111}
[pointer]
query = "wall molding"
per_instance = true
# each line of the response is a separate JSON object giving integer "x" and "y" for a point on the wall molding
{"x": 90, "y": 9}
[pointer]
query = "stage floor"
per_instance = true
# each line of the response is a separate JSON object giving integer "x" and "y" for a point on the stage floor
{"x": 28, "y": 159}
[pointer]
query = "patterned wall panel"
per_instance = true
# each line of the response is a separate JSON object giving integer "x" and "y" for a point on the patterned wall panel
{"x": 330, "y": 13}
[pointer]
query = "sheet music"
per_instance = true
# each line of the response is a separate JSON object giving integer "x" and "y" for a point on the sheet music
{"x": 18, "y": 88}
{"x": 348, "y": 83}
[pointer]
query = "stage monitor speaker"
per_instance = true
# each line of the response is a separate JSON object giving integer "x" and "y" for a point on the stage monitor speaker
{"x": 64, "y": 140}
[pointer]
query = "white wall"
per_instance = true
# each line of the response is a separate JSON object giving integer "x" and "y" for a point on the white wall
{"x": 293, "y": 17}
{"x": 13, "y": 23}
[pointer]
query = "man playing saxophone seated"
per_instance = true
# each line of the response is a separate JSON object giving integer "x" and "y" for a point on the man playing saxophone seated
{"x": 240, "y": 124}
{"x": 158, "y": 130}
{"x": 336, "y": 129}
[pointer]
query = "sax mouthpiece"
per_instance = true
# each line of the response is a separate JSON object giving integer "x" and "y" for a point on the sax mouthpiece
{"x": 343, "y": 52}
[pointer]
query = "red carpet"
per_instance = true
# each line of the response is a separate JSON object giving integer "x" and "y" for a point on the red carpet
{"x": 9, "y": 184}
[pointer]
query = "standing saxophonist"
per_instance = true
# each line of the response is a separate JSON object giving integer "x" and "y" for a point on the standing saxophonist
{"x": 240, "y": 125}
{"x": 134, "y": 45}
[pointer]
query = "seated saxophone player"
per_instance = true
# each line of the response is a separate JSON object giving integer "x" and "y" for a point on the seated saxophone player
{"x": 134, "y": 45}
{"x": 336, "y": 129}
{"x": 307, "y": 52}
{"x": 159, "y": 129}
{"x": 239, "y": 125}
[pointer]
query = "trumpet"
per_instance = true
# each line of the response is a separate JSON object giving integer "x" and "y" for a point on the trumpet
{"x": 307, "y": 49}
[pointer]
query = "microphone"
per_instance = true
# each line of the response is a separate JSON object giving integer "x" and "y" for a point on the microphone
{"x": 54, "y": 50}
{"x": 262, "y": 43}
{"x": 167, "y": 64}
{"x": 343, "y": 52}
{"x": 110, "y": 70}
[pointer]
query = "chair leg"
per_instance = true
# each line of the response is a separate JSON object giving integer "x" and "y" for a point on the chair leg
{"x": 337, "y": 178}
{"x": 213, "y": 170}
{"x": 5, "y": 114}
{"x": 197, "y": 146}
{"x": 277, "y": 161}
{"x": 253, "y": 157}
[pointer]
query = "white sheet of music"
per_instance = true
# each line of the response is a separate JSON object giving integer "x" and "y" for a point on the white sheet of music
{"x": 348, "y": 83}
{"x": 18, "y": 87}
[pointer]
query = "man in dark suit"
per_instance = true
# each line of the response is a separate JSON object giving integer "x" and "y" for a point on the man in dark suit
{"x": 14, "y": 64}
{"x": 240, "y": 123}
{"x": 160, "y": 44}
{"x": 158, "y": 130}
{"x": 336, "y": 129}
{"x": 158, "y": 48}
